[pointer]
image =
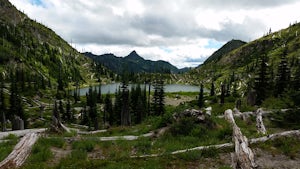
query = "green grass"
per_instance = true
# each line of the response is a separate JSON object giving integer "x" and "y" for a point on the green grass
{"x": 7, "y": 147}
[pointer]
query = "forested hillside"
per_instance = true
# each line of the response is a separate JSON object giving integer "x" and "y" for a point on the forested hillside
{"x": 36, "y": 52}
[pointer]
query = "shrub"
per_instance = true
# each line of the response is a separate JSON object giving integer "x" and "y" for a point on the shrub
{"x": 84, "y": 145}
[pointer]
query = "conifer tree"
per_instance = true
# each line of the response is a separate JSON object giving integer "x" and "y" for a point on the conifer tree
{"x": 117, "y": 107}
{"x": 222, "y": 93}
{"x": 201, "y": 97}
{"x": 262, "y": 80}
{"x": 55, "y": 111}
{"x": 283, "y": 75}
{"x": 92, "y": 103}
{"x": 108, "y": 110}
{"x": 158, "y": 97}
{"x": 2, "y": 105}
{"x": 62, "y": 111}
{"x": 212, "y": 89}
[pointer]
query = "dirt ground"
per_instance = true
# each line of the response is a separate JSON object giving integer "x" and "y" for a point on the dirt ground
{"x": 176, "y": 101}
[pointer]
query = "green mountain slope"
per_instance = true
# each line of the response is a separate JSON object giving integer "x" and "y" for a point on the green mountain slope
{"x": 133, "y": 63}
{"x": 243, "y": 61}
{"x": 225, "y": 49}
{"x": 37, "y": 50}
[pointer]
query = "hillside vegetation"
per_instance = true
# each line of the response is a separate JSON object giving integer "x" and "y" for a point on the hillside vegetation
{"x": 37, "y": 51}
{"x": 244, "y": 59}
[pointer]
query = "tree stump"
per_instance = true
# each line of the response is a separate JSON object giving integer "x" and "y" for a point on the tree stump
{"x": 17, "y": 123}
{"x": 259, "y": 122}
{"x": 243, "y": 157}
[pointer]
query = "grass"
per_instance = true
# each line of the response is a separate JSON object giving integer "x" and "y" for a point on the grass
{"x": 41, "y": 152}
{"x": 7, "y": 147}
{"x": 283, "y": 145}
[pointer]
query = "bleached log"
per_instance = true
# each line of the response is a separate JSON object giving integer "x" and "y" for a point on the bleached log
{"x": 243, "y": 154}
{"x": 259, "y": 122}
{"x": 228, "y": 145}
{"x": 20, "y": 153}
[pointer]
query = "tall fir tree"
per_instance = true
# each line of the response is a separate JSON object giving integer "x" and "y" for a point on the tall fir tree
{"x": 262, "y": 80}
{"x": 283, "y": 75}
{"x": 212, "y": 88}
{"x": 2, "y": 104}
{"x": 223, "y": 92}
{"x": 108, "y": 110}
{"x": 158, "y": 102}
{"x": 201, "y": 97}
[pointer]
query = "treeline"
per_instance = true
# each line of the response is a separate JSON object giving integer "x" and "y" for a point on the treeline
{"x": 126, "y": 107}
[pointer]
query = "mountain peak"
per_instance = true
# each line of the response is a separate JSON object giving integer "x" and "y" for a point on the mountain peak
{"x": 134, "y": 56}
{"x": 228, "y": 47}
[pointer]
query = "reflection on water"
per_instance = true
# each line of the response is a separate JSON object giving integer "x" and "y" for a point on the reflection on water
{"x": 112, "y": 88}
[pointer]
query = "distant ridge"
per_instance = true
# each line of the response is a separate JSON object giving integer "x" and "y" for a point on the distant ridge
{"x": 134, "y": 63}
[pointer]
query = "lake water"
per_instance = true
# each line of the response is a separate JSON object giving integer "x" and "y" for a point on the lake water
{"x": 170, "y": 88}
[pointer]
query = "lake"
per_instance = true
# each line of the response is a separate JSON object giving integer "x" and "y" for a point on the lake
{"x": 169, "y": 88}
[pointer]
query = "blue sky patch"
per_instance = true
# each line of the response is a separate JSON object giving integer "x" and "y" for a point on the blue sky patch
{"x": 214, "y": 44}
{"x": 36, "y": 2}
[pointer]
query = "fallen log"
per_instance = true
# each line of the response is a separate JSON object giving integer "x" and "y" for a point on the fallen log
{"x": 243, "y": 157}
{"x": 228, "y": 145}
{"x": 20, "y": 133}
{"x": 20, "y": 153}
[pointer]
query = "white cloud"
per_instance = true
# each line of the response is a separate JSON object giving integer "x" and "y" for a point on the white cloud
{"x": 181, "y": 32}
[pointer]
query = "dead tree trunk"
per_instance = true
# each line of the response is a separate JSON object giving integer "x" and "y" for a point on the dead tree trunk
{"x": 243, "y": 157}
{"x": 21, "y": 151}
{"x": 259, "y": 122}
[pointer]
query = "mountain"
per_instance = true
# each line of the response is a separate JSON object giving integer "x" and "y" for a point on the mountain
{"x": 225, "y": 49}
{"x": 37, "y": 51}
{"x": 241, "y": 59}
{"x": 133, "y": 63}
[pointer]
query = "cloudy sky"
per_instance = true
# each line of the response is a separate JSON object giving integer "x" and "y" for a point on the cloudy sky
{"x": 183, "y": 32}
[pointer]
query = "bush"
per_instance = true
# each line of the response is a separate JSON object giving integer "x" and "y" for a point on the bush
{"x": 183, "y": 127}
{"x": 85, "y": 145}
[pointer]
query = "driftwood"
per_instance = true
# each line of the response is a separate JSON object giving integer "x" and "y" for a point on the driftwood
{"x": 21, "y": 151}
{"x": 243, "y": 157}
{"x": 259, "y": 122}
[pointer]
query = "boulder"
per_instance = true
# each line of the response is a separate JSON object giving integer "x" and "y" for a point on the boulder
{"x": 197, "y": 114}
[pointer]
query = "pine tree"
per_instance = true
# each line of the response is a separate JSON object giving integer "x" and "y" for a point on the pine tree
{"x": 262, "y": 80}
{"x": 296, "y": 80}
{"x": 125, "y": 114}
{"x": 55, "y": 111}
{"x": 69, "y": 115}
{"x": 201, "y": 97}
{"x": 212, "y": 89}
{"x": 62, "y": 111}
{"x": 108, "y": 110}
{"x": 92, "y": 103}
{"x": 117, "y": 107}
{"x": 158, "y": 97}
{"x": 283, "y": 75}
{"x": 2, "y": 105}
{"x": 223, "y": 93}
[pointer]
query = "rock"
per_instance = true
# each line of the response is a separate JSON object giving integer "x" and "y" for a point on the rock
{"x": 197, "y": 114}
{"x": 208, "y": 110}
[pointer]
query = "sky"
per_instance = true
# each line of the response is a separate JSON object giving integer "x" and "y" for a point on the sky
{"x": 182, "y": 32}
